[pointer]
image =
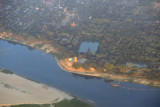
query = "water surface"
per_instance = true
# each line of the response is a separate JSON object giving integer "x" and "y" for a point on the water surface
{"x": 85, "y": 46}
{"x": 41, "y": 67}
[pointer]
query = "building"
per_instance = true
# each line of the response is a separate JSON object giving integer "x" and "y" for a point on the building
{"x": 73, "y": 25}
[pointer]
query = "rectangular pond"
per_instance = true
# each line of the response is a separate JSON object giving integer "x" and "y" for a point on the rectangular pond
{"x": 85, "y": 46}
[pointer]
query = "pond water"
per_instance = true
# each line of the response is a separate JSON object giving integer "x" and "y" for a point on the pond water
{"x": 136, "y": 65}
{"x": 93, "y": 46}
{"x": 38, "y": 66}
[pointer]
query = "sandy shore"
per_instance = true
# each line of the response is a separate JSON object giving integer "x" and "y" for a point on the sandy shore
{"x": 91, "y": 72}
{"x": 17, "y": 90}
{"x": 67, "y": 66}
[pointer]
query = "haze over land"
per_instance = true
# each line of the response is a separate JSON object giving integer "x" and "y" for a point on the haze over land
{"x": 127, "y": 31}
{"x": 115, "y": 39}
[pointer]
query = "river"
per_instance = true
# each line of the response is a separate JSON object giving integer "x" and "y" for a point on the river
{"x": 41, "y": 67}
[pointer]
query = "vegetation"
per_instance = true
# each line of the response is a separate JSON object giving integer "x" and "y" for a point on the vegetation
{"x": 31, "y": 105}
{"x": 127, "y": 31}
{"x": 76, "y": 65}
{"x": 65, "y": 103}
{"x": 72, "y": 103}
{"x": 5, "y": 71}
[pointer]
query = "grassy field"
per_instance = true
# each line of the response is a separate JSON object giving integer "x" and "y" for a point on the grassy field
{"x": 72, "y": 103}
{"x": 65, "y": 103}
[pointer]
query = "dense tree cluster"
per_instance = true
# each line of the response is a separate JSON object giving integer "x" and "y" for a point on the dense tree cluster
{"x": 127, "y": 31}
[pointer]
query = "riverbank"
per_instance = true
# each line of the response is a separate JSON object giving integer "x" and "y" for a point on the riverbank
{"x": 15, "y": 90}
{"x": 64, "y": 64}
{"x": 41, "y": 45}
{"x": 67, "y": 66}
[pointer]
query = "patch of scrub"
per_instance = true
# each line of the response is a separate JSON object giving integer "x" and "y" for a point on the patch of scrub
{"x": 72, "y": 103}
{"x": 65, "y": 103}
{"x": 5, "y": 71}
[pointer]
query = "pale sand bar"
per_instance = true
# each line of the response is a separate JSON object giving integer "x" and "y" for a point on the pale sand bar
{"x": 17, "y": 90}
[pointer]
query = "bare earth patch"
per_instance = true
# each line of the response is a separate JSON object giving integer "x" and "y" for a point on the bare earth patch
{"x": 17, "y": 90}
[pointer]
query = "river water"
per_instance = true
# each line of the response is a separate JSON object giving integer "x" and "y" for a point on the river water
{"x": 38, "y": 66}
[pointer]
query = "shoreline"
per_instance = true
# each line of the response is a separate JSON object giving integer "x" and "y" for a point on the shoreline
{"x": 48, "y": 48}
{"x": 16, "y": 90}
{"x": 115, "y": 77}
